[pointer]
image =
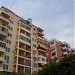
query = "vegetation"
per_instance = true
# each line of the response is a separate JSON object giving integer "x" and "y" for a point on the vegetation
{"x": 65, "y": 67}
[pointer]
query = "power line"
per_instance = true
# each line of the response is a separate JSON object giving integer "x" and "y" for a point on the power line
{"x": 12, "y": 4}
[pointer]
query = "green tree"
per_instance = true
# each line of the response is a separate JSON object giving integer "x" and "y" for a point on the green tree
{"x": 65, "y": 67}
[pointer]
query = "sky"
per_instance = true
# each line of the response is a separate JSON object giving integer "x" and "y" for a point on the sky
{"x": 56, "y": 17}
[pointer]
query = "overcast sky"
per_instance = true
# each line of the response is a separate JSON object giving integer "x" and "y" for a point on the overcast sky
{"x": 56, "y": 17}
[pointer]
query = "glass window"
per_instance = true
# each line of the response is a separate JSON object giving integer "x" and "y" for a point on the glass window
{"x": 6, "y": 67}
{"x": 7, "y": 49}
{"x": 43, "y": 59}
{"x": 11, "y": 21}
{"x": 35, "y": 65}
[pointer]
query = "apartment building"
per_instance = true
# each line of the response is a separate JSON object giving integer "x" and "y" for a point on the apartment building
{"x": 41, "y": 49}
{"x": 60, "y": 49}
{"x": 65, "y": 48}
{"x": 55, "y": 49}
{"x": 23, "y": 47}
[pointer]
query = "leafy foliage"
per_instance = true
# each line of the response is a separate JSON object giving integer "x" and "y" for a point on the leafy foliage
{"x": 65, "y": 67}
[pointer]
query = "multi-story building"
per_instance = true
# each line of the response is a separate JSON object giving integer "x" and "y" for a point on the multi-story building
{"x": 55, "y": 49}
{"x": 41, "y": 48}
{"x": 60, "y": 49}
{"x": 23, "y": 47}
{"x": 65, "y": 48}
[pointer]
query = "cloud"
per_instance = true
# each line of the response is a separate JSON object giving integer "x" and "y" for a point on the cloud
{"x": 56, "y": 17}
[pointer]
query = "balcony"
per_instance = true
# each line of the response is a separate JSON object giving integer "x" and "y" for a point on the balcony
{"x": 4, "y": 20}
{"x": 52, "y": 57}
{"x": 40, "y": 33}
{"x": 53, "y": 50}
{"x": 1, "y": 59}
{"x": 42, "y": 50}
{"x": 21, "y": 61}
{"x": 28, "y": 62}
{"x": 24, "y": 35}
{"x": 24, "y": 50}
{"x": 25, "y": 40}
{"x": 3, "y": 41}
{"x": 1, "y": 68}
{"x": 40, "y": 45}
{"x": 41, "y": 59}
{"x": 2, "y": 49}
{"x": 4, "y": 26}
{"x": 64, "y": 47}
{"x": 4, "y": 17}
{"x": 65, "y": 53}
{"x": 26, "y": 28}
{"x": 3, "y": 31}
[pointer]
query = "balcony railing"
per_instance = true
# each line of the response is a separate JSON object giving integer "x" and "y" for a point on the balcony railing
{"x": 3, "y": 30}
{"x": 2, "y": 49}
{"x": 24, "y": 35}
{"x": 1, "y": 59}
{"x": 26, "y": 28}
{"x": 40, "y": 33}
{"x": 4, "y": 20}
{"x": 3, "y": 41}
{"x": 42, "y": 50}
{"x": 25, "y": 40}
{"x": 26, "y": 50}
{"x": 41, "y": 59}
{"x": 41, "y": 45}
{"x": 1, "y": 68}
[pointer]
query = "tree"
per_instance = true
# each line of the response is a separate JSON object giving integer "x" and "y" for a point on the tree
{"x": 65, "y": 67}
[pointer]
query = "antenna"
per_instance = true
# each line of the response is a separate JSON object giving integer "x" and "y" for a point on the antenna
{"x": 12, "y": 4}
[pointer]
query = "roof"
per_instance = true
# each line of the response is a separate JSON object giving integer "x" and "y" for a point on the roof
{"x": 10, "y": 11}
{"x": 19, "y": 16}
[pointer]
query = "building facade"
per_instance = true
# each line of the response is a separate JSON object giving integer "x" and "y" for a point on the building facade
{"x": 23, "y": 47}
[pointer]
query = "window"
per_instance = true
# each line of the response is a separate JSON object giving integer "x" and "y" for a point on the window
{"x": 5, "y": 66}
{"x": 11, "y": 21}
{"x": 34, "y": 34}
{"x": 9, "y": 34}
{"x": 34, "y": 58}
{"x": 35, "y": 40}
{"x": 6, "y": 57}
{"x": 35, "y": 65}
{"x": 8, "y": 41}
{"x": 10, "y": 28}
{"x": 34, "y": 52}
{"x": 32, "y": 39}
{"x": 43, "y": 59}
{"x": 7, "y": 49}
